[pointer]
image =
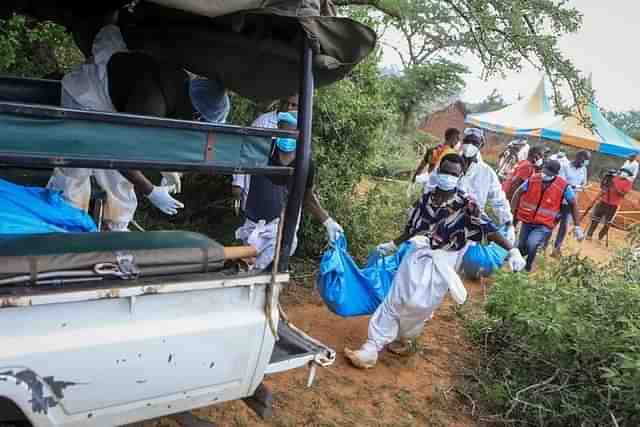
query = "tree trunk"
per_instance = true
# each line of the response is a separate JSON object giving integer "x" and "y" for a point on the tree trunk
{"x": 407, "y": 124}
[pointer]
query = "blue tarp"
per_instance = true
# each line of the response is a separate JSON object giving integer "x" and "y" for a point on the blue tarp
{"x": 349, "y": 290}
{"x": 33, "y": 210}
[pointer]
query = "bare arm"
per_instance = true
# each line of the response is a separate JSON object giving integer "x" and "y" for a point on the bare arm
{"x": 419, "y": 170}
{"x": 499, "y": 240}
{"x": 140, "y": 182}
{"x": 515, "y": 200}
{"x": 312, "y": 203}
{"x": 515, "y": 184}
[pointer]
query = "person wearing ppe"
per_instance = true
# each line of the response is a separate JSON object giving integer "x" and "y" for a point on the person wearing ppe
{"x": 537, "y": 205}
{"x": 481, "y": 182}
{"x": 105, "y": 82}
{"x": 523, "y": 171}
{"x": 560, "y": 157}
{"x": 240, "y": 183}
{"x": 443, "y": 222}
{"x": 575, "y": 173}
{"x": 613, "y": 191}
{"x": 267, "y": 198}
{"x": 523, "y": 154}
{"x": 632, "y": 165}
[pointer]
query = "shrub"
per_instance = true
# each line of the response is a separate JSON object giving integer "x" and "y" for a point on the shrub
{"x": 563, "y": 346}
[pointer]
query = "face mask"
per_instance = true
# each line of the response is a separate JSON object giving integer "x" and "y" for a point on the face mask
{"x": 547, "y": 178}
{"x": 469, "y": 150}
{"x": 538, "y": 162}
{"x": 446, "y": 182}
{"x": 585, "y": 163}
{"x": 286, "y": 144}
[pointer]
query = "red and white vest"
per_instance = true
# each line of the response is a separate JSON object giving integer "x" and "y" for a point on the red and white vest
{"x": 541, "y": 206}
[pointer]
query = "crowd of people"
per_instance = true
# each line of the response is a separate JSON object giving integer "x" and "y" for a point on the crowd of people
{"x": 460, "y": 190}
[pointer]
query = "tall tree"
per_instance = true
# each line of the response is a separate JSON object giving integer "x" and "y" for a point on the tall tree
{"x": 503, "y": 34}
{"x": 627, "y": 121}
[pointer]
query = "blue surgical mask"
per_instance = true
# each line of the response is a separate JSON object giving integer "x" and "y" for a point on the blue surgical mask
{"x": 539, "y": 162}
{"x": 546, "y": 177}
{"x": 446, "y": 182}
{"x": 585, "y": 163}
{"x": 286, "y": 144}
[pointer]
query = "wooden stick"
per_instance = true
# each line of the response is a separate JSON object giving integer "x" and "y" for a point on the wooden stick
{"x": 236, "y": 252}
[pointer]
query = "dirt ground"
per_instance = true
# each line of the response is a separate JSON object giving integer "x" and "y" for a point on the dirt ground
{"x": 420, "y": 390}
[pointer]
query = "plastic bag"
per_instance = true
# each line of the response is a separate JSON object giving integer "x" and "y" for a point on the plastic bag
{"x": 33, "y": 210}
{"x": 352, "y": 291}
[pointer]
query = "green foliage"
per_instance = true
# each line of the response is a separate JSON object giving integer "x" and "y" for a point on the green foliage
{"x": 350, "y": 119}
{"x": 562, "y": 346}
{"x": 627, "y": 121}
{"x": 503, "y": 34}
{"x": 35, "y": 49}
{"x": 493, "y": 102}
{"x": 422, "y": 84}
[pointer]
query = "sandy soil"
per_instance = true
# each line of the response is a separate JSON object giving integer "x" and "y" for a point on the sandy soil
{"x": 415, "y": 391}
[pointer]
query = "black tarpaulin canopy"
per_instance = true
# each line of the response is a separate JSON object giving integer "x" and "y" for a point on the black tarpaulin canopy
{"x": 252, "y": 46}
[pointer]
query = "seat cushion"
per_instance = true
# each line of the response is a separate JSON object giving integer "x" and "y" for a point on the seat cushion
{"x": 124, "y": 255}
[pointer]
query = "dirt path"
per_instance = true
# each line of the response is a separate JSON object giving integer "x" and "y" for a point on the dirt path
{"x": 413, "y": 391}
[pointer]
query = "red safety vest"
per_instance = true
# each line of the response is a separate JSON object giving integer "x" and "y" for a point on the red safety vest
{"x": 538, "y": 206}
{"x": 523, "y": 170}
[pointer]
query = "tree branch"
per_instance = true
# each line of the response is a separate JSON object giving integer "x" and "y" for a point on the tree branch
{"x": 376, "y": 4}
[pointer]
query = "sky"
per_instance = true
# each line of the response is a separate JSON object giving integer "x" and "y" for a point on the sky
{"x": 605, "y": 47}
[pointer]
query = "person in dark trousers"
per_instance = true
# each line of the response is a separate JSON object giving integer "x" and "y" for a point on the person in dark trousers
{"x": 537, "y": 206}
{"x": 614, "y": 188}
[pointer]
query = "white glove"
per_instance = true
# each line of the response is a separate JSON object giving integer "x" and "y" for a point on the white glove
{"x": 333, "y": 229}
{"x": 386, "y": 248}
{"x": 161, "y": 199}
{"x": 173, "y": 180}
{"x": 579, "y": 233}
{"x": 510, "y": 235}
{"x": 516, "y": 262}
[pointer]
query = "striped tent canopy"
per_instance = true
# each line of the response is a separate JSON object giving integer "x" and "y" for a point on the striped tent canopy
{"x": 534, "y": 117}
{"x": 521, "y": 118}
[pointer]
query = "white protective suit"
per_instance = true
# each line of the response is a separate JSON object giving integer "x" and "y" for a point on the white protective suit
{"x": 419, "y": 286}
{"x": 633, "y": 166}
{"x": 86, "y": 87}
{"x": 481, "y": 182}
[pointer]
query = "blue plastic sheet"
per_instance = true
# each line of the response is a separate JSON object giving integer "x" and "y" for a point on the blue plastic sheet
{"x": 33, "y": 210}
{"x": 349, "y": 290}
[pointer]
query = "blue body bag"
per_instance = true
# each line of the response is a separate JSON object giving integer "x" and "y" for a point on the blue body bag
{"x": 34, "y": 210}
{"x": 352, "y": 291}
{"x": 481, "y": 260}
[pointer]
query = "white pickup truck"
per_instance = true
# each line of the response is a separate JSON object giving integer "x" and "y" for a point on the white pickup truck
{"x": 96, "y": 345}
{"x": 105, "y": 329}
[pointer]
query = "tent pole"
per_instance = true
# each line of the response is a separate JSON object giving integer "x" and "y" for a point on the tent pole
{"x": 303, "y": 154}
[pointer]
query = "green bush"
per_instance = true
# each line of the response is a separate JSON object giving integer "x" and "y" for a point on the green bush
{"x": 563, "y": 346}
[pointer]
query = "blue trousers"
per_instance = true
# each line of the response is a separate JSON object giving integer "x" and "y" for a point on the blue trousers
{"x": 532, "y": 237}
{"x": 565, "y": 213}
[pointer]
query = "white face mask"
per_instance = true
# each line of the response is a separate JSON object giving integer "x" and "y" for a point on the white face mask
{"x": 469, "y": 150}
{"x": 585, "y": 163}
{"x": 446, "y": 182}
{"x": 539, "y": 162}
{"x": 546, "y": 177}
